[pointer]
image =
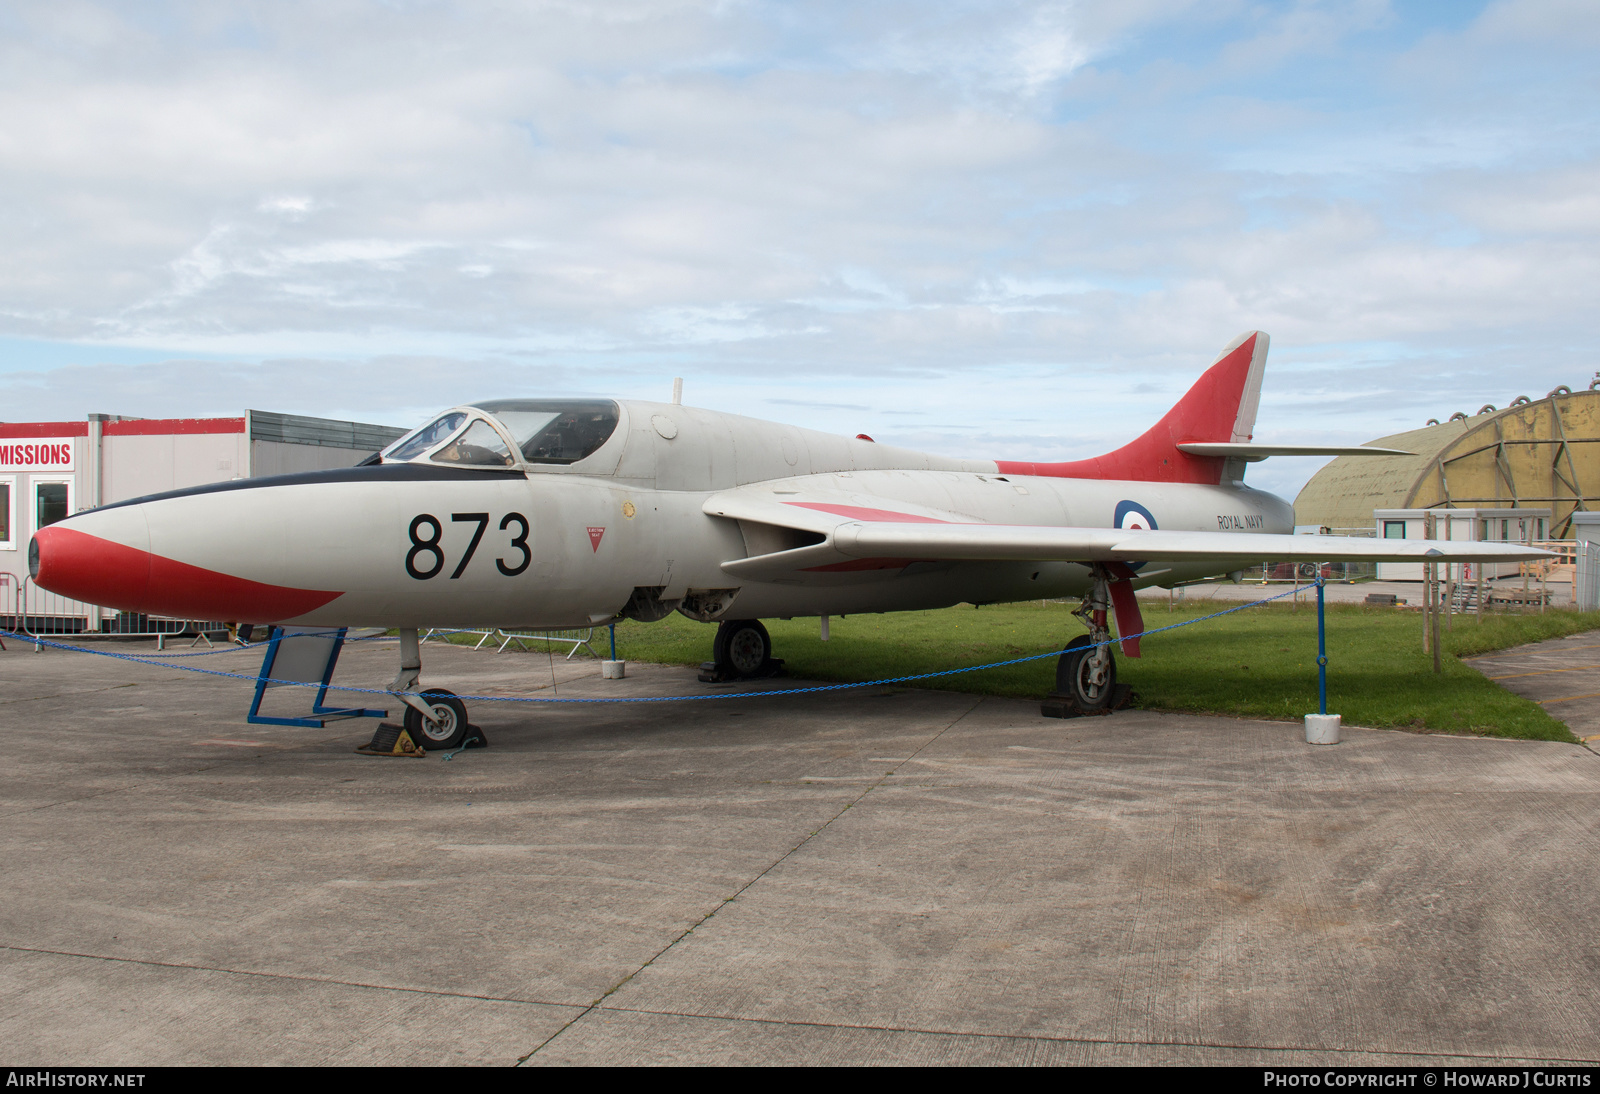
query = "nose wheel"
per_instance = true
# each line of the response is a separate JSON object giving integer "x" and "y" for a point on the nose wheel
{"x": 448, "y": 726}
{"x": 434, "y": 719}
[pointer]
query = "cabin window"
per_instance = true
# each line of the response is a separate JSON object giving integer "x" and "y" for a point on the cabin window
{"x": 6, "y": 490}
{"x": 1394, "y": 529}
{"x": 555, "y": 430}
{"x": 418, "y": 442}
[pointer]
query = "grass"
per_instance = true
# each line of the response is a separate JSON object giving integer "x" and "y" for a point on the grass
{"x": 1258, "y": 663}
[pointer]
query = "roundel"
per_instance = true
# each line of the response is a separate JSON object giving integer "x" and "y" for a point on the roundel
{"x": 1130, "y": 514}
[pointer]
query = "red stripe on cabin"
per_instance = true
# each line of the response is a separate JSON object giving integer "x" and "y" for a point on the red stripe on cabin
{"x": 171, "y": 427}
{"x": 44, "y": 429}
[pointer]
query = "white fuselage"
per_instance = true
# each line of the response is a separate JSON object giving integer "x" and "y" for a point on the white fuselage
{"x": 573, "y": 545}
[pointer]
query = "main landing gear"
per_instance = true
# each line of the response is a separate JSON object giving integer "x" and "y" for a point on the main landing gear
{"x": 434, "y": 719}
{"x": 742, "y": 651}
{"x": 1086, "y": 674}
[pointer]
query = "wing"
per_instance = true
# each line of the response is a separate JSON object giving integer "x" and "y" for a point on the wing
{"x": 846, "y": 534}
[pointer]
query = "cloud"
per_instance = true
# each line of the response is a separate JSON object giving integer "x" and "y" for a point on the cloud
{"x": 958, "y": 212}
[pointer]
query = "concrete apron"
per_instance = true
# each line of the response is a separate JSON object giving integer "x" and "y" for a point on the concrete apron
{"x": 889, "y": 876}
{"x": 1560, "y": 674}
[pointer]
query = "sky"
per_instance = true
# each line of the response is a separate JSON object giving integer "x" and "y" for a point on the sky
{"x": 1005, "y": 229}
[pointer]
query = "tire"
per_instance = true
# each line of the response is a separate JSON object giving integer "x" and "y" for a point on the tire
{"x": 452, "y": 721}
{"x": 1074, "y": 676}
{"x": 742, "y": 648}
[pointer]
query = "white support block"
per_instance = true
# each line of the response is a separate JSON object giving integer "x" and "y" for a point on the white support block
{"x": 1322, "y": 729}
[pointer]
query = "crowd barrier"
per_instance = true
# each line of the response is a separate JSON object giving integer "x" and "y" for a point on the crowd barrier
{"x": 27, "y": 609}
{"x": 577, "y": 638}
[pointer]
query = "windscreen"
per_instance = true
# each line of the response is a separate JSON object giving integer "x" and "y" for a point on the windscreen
{"x": 555, "y": 430}
{"x": 479, "y": 446}
{"x": 410, "y": 447}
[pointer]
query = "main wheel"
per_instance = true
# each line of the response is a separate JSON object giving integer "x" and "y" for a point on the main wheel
{"x": 742, "y": 648}
{"x": 450, "y": 721}
{"x": 1077, "y": 676}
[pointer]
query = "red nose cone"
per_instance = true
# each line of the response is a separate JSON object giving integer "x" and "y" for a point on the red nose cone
{"x": 88, "y": 568}
{"x": 113, "y": 575}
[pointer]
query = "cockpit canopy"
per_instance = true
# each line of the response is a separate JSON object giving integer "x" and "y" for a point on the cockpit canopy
{"x": 510, "y": 432}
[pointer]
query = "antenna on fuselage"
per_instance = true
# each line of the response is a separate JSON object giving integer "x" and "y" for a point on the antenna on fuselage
{"x": 677, "y": 390}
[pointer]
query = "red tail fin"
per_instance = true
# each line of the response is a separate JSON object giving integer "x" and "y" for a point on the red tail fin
{"x": 1221, "y": 406}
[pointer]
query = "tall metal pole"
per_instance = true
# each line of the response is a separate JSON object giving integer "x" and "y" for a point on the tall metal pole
{"x": 1436, "y": 627}
{"x": 1435, "y": 591}
{"x": 1449, "y": 591}
{"x": 1322, "y": 651}
{"x": 1428, "y": 587}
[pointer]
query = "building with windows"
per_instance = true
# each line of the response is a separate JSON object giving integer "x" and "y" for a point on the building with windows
{"x": 1524, "y": 525}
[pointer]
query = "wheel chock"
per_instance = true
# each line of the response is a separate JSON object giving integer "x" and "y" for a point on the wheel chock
{"x": 391, "y": 740}
{"x": 1063, "y": 706}
{"x": 711, "y": 674}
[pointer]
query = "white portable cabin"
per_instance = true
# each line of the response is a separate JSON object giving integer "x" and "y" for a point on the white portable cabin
{"x": 1519, "y": 525}
{"x": 1586, "y": 576}
{"x": 49, "y": 470}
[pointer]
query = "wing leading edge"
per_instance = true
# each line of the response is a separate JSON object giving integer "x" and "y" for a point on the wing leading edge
{"x": 852, "y": 540}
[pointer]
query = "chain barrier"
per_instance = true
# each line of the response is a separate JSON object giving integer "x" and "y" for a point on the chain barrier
{"x": 771, "y": 693}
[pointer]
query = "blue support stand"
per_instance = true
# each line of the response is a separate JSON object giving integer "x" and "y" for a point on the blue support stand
{"x": 613, "y": 629}
{"x": 1322, "y": 651}
{"x": 303, "y": 657}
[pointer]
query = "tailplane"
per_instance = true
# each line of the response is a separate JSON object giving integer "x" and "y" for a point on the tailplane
{"x": 1220, "y": 407}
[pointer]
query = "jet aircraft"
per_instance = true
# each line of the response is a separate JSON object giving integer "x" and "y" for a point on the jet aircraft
{"x": 552, "y": 513}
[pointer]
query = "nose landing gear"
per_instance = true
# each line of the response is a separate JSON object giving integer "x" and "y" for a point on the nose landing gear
{"x": 434, "y": 719}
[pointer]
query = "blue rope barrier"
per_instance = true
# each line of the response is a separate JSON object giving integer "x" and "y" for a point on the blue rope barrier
{"x": 773, "y": 693}
{"x": 724, "y": 694}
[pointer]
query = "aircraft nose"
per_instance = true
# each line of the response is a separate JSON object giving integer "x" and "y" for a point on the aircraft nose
{"x": 91, "y": 568}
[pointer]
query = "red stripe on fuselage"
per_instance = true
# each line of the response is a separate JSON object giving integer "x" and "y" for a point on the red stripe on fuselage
{"x": 114, "y": 575}
{"x": 859, "y": 512}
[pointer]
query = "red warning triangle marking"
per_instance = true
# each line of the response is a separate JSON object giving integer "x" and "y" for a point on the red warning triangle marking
{"x": 594, "y": 536}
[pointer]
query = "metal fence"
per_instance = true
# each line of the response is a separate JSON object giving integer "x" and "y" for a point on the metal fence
{"x": 575, "y": 639}
{"x": 36, "y": 612}
{"x": 1291, "y": 572}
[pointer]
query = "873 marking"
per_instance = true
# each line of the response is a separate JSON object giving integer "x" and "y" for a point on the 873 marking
{"x": 428, "y": 547}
